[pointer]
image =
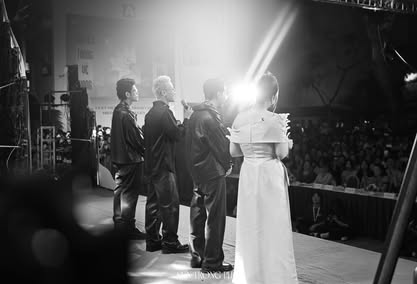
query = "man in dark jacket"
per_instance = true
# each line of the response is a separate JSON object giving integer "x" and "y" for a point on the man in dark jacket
{"x": 209, "y": 164}
{"x": 127, "y": 152}
{"x": 161, "y": 133}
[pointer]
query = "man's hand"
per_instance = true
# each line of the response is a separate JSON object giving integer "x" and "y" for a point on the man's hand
{"x": 187, "y": 109}
{"x": 188, "y": 112}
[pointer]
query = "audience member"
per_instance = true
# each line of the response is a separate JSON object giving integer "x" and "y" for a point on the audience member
{"x": 351, "y": 149}
{"x": 348, "y": 172}
{"x": 307, "y": 174}
{"x": 379, "y": 181}
{"x": 394, "y": 174}
{"x": 313, "y": 217}
{"x": 324, "y": 176}
{"x": 336, "y": 227}
{"x": 364, "y": 173}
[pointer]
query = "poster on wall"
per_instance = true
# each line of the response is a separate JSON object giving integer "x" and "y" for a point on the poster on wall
{"x": 108, "y": 49}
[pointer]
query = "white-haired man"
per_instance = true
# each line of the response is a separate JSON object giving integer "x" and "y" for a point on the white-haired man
{"x": 161, "y": 132}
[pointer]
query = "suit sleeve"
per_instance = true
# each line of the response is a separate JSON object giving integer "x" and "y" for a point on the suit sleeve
{"x": 172, "y": 130}
{"x": 134, "y": 135}
{"x": 170, "y": 126}
{"x": 216, "y": 140}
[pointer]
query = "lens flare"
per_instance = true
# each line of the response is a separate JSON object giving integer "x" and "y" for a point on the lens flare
{"x": 244, "y": 93}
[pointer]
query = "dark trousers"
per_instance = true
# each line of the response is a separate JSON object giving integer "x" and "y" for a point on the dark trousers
{"x": 162, "y": 206}
{"x": 208, "y": 204}
{"x": 335, "y": 231}
{"x": 126, "y": 194}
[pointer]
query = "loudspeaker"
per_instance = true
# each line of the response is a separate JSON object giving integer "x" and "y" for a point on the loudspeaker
{"x": 73, "y": 82}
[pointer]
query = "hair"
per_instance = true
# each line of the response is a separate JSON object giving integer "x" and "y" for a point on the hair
{"x": 124, "y": 85}
{"x": 211, "y": 87}
{"x": 268, "y": 87}
{"x": 160, "y": 84}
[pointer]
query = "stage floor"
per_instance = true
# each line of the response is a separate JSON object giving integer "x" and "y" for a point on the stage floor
{"x": 318, "y": 261}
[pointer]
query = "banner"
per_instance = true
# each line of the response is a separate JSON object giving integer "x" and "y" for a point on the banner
{"x": 107, "y": 49}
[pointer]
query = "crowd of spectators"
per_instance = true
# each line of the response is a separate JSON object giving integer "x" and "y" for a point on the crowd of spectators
{"x": 366, "y": 154}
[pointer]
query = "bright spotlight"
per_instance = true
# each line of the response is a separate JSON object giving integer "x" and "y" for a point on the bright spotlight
{"x": 244, "y": 93}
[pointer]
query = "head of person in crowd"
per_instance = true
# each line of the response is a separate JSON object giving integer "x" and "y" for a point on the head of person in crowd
{"x": 307, "y": 166}
{"x": 364, "y": 166}
{"x": 268, "y": 90}
{"x": 163, "y": 89}
{"x": 214, "y": 92}
{"x": 127, "y": 91}
{"x": 378, "y": 170}
{"x": 341, "y": 160}
{"x": 319, "y": 154}
{"x": 316, "y": 199}
{"x": 390, "y": 163}
{"x": 348, "y": 165}
{"x": 313, "y": 153}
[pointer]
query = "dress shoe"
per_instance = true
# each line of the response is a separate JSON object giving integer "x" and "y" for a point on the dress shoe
{"x": 222, "y": 268}
{"x": 136, "y": 234}
{"x": 176, "y": 247}
{"x": 153, "y": 245}
{"x": 195, "y": 262}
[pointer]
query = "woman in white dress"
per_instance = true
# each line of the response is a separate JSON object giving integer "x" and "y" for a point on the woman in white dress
{"x": 264, "y": 243}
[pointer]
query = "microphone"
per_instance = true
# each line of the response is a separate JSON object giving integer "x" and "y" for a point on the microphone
{"x": 184, "y": 104}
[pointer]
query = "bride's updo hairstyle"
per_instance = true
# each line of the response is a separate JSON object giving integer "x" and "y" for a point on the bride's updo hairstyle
{"x": 268, "y": 87}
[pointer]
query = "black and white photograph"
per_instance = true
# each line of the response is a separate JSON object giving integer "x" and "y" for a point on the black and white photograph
{"x": 208, "y": 141}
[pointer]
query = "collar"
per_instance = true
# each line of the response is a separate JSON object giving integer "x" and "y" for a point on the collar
{"x": 124, "y": 104}
{"x": 208, "y": 103}
{"x": 211, "y": 106}
{"x": 160, "y": 103}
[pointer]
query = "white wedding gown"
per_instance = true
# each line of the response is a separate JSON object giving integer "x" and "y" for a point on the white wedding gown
{"x": 264, "y": 243}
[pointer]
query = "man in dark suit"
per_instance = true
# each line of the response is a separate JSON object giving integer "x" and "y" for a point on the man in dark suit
{"x": 209, "y": 164}
{"x": 161, "y": 133}
{"x": 127, "y": 157}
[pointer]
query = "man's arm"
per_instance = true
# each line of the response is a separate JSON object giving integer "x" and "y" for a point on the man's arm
{"x": 216, "y": 139}
{"x": 172, "y": 130}
{"x": 134, "y": 135}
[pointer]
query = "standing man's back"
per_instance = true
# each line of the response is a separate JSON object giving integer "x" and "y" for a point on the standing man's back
{"x": 209, "y": 164}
